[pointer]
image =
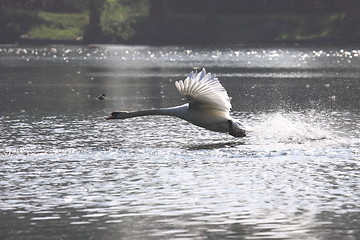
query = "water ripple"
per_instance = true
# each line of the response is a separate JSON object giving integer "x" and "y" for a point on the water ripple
{"x": 66, "y": 172}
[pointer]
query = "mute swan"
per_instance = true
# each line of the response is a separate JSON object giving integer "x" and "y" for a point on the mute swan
{"x": 208, "y": 105}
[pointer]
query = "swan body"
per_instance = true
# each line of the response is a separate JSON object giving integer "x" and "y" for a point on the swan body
{"x": 208, "y": 105}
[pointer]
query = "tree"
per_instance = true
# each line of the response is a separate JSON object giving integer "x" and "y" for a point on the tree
{"x": 93, "y": 30}
{"x": 156, "y": 13}
{"x": 16, "y": 17}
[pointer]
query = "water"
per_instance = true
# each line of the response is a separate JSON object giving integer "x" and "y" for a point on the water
{"x": 66, "y": 173}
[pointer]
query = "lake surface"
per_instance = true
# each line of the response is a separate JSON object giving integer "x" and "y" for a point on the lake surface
{"x": 66, "y": 173}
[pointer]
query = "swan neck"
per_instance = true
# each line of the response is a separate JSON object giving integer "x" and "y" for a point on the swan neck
{"x": 147, "y": 113}
{"x": 174, "y": 111}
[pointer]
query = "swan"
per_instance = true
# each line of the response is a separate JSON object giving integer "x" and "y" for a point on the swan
{"x": 208, "y": 105}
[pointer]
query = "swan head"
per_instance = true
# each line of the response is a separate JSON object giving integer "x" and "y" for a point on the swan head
{"x": 117, "y": 115}
{"x": 236, "y": 129}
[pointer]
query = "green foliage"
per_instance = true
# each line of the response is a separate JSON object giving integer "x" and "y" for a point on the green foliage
{"x": 65, "y": 6}
{"x": 119, "y": 17}
{"x": 14, "y": 22}
{"x": 128, "y": 21}
{"x": 118, "y": 31}
{"x": 69, "y": 6}
{"x": 59, "y": 25}
{"x": 307, "y": 27}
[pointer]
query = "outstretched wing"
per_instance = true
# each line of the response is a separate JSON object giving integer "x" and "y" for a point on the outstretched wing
{"x": 204, "y": 91}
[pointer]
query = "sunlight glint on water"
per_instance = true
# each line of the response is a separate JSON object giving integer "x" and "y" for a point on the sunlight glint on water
{"x": 67, "y": 173}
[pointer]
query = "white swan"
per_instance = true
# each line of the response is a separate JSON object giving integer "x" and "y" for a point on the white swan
{"x": 208, "y": 105}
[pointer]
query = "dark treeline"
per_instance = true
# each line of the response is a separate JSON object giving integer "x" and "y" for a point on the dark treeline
{"x": 264, "y": 6}
{"x": 191, "y": 6}
{"x": 48, "y": 5}
{"x": 166, "y": 19}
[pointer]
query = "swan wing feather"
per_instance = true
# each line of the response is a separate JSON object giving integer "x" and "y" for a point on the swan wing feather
{"x": 203, "y": 90}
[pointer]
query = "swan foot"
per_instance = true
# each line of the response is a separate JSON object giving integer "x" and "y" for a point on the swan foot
{"x": 235, "y": 129}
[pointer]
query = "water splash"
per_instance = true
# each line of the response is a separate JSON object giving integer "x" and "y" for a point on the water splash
{"x": 289, "y": 128}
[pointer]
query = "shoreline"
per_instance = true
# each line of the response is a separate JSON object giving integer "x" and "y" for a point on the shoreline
{"x": 305, "y": 42}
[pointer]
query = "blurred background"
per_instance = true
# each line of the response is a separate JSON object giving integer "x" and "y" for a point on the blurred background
{"x": 178, "y": 22}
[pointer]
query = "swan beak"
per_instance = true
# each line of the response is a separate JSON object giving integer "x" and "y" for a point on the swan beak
{"x": 113, "y": 116}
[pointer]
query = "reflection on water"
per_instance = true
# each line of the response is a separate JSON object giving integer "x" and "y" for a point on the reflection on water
{"x": 66, "y": 173}
{"x": 217, "y": 145}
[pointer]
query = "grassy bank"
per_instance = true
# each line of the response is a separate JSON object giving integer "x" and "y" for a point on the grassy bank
{"x": 59, "y": 26}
